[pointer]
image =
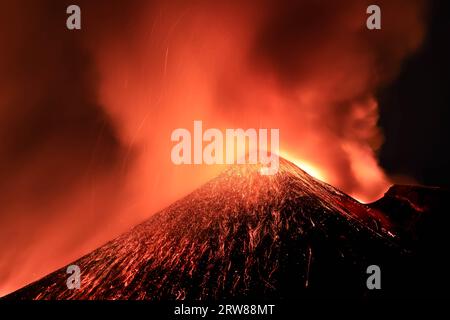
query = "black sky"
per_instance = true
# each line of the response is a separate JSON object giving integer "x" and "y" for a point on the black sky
{"x": 415, "y": 108}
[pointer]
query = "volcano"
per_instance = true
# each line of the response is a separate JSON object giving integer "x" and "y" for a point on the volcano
{"x": 285, "y": 236}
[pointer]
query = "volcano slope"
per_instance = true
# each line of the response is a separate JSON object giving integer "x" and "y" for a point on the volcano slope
{"x": 246, "y": 235}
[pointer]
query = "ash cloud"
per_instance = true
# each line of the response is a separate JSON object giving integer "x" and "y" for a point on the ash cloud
{"x": 86, "y": 116}
{"x": 59, "y": 149}
{"x": 323, "y": 58}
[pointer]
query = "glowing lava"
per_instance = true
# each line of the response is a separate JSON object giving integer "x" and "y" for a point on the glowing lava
{"x": 242, "y": 234}
{"x": 306, "y": 166}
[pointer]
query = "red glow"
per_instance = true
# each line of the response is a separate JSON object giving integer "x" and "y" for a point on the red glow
{"x": 160, "y": 66}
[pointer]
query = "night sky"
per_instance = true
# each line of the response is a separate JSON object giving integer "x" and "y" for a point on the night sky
{"x": 415, "y": 108}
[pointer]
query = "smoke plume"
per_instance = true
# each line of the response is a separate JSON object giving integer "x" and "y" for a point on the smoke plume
{"x": 86, "y": 116}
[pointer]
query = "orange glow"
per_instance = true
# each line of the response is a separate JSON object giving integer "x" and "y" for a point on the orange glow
{"x": 155, "y": 66}
{"x": 306, "y": 166}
